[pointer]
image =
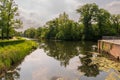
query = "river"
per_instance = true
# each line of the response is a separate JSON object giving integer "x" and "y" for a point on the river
{"x": 58, "y": 60}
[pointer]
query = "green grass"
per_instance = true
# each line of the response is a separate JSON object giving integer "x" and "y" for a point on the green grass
{"x": 11, "y": 54}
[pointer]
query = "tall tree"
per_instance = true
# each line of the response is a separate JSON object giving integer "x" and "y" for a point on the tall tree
{"x": 115, "y": 21}
{"x": 2, "y": 17}
{"x": 88, "y": 14}
{"x": 103, "y": 20}
{"x": 63, "y": 28}
{"x": 31, "y": 33}
{"x": 8, "y": 10}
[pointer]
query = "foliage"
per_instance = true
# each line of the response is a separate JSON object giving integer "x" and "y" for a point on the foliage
{"x": 92, "y": 15}
{"x": 94, "y": 23}
{"x": 61, "y": 28}
{"x": 31, "y": 33}
{"x": 88, "y": 15}
{"x": 115, "y": 23}
{"x": 8, "y": 11}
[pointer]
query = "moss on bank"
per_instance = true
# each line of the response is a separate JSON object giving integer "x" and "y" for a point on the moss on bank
{"x": 11, "y": 54}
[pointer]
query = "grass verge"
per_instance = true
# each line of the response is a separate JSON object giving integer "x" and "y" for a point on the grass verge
{"x": 11, "y": 54}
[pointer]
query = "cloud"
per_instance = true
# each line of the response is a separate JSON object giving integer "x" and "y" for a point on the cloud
{"x": 38, "y": 12}
{"x": 113, "y": 7}
{"x": 40, "y": 74}
{"x": 29, "y": 18}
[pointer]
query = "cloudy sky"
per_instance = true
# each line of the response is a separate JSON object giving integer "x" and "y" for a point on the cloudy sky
{"x": 35, "y": 13}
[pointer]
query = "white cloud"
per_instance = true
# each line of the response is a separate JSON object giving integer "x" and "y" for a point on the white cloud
{"x": 29, "y": 18}
{"x": 37, "y": 12}
{"x": 113, "y": 7}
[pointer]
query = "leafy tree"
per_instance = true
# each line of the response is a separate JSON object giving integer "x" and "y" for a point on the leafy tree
{"x": 52, "y": 26}
{"x": 94, "y": 23}
{"x": 8, "y": 11}
{"x": 38, "y": 32}
{"x": 30, "y": 33}
{"x": 88, "y": 15}
{"x": 2, "y": 17}
{"x": 115, "y": 22}
{"x": 103, "y": 20}
{"x": 63, "y": 28}
{"x": 44, "y": 33}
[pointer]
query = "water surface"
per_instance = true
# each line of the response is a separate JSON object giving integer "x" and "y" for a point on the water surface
{"x": 62, "y": 61}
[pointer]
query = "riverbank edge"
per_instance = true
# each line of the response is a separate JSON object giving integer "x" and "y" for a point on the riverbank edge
{"x": 12, "y": 54}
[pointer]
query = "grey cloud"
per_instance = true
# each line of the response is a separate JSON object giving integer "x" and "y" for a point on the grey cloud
{"x": 29, "y": 19}
{"x": 113, "y": 7}
{"x": 98, "y": 2}
{"x": 37, "y": 12}
{"x": 46, "y": 9}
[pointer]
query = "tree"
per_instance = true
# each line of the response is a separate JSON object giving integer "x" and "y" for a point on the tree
{"x": 63, "y": 28}
{"x": 8, "y": 10}
{"x": 103, "y": 20}
{"x": 30, "y": 33}
{"x": 2, "y": 18}
{"x": 88, "y": 15}
{"x": 52, "y": 25}
{"x": 115, "y": 21}
{"x": 38, "y": 32}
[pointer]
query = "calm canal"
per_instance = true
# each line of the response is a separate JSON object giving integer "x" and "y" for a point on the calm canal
{"x": 65, "y": 61}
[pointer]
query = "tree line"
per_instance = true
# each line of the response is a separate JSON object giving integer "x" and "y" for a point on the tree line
{"x": 94, "y": 22}
{"x": 8, "y": 19}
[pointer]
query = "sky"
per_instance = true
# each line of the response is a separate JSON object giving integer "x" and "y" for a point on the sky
{"x": 35, "y": 13}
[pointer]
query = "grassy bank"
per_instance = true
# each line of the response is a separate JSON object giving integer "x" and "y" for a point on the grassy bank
{"x": 11, "y": 54}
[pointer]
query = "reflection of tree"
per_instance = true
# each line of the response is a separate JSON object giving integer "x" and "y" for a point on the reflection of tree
{"x": 11, "y": 75}
{"x": 64, "y": 51}
{"x": 61, "y": 51}
{"x": 88, "y": 68}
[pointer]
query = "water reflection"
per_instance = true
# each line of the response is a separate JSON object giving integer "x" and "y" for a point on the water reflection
{"x": 11, "y": 75}
{"x": 63, "y": 61}
{"x": 64, "y": 51}
{"x": 89, "y": 69}
{"x": 61, "y": 52}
